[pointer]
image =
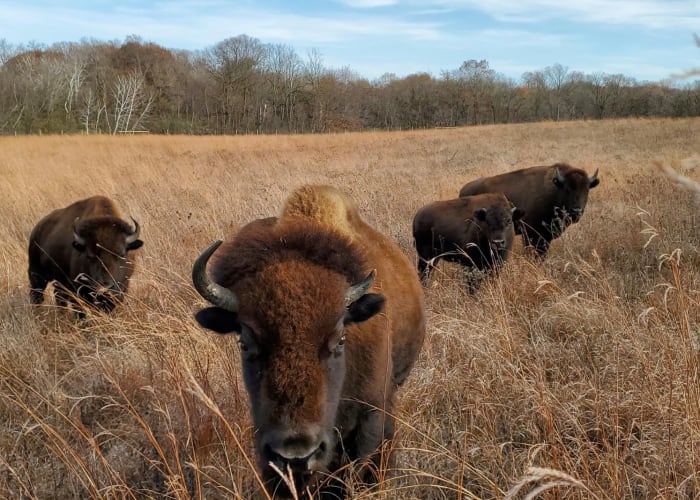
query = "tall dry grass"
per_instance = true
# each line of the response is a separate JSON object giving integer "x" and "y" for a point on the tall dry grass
{"x": 576, "y": 378}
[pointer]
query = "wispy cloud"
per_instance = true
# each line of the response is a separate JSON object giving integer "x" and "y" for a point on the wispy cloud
{"x": 676, "y": 14}
{"x": 204, "y": 28}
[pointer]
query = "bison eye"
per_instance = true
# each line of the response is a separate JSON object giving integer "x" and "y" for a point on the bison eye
{"x": 340, "y": 346}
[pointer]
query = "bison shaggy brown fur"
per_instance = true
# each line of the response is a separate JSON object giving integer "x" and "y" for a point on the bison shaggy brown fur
{"x": 330, "y": 318}
{"x": 553, "y": 198}
{"x": 84, "y": 247}
{"x": 474, "y": 231}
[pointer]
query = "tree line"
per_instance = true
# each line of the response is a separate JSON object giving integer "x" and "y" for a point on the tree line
{"x": 242, "y": 86}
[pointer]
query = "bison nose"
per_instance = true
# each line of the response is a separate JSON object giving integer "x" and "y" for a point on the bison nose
{"x": 498, "y": 244}
{"x": 300, "y": 451}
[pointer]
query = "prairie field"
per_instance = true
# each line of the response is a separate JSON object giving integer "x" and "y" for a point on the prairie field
{"x": 576, "y": 377}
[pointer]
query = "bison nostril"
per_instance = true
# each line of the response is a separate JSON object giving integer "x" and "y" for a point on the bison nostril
{"x": 299, "y": 455}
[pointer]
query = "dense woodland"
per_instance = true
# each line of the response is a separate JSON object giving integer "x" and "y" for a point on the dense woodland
{"x": 242, "y": 85}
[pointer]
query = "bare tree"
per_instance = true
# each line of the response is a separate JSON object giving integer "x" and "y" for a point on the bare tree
{"x": 555, "y": 78}
{"x": 235, "y": 65}
{"x": 283, "y": 74}
{"x": 131, "y": 103}
{"x": 7, "y": 51}
{"x": 476, "y": 79}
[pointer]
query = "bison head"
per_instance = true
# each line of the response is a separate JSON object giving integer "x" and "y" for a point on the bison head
{"x": 496, "y": 226}
{"x": 101, "y": 246}
{"x": 293, "y": 320}
{"x": 571, "y": 193}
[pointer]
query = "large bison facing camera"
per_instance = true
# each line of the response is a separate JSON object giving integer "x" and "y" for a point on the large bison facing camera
{"x": 330, "y": 320}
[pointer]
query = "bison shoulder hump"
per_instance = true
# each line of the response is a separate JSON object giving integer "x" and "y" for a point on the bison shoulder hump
{"x": 323, "y": 204}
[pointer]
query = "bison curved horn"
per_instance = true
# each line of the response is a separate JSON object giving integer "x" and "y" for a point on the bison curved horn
{"x": 76, "y": 237}
{"x": 216, "y": 294}
{"x": 357, "y": 291}
{"x": 559, "y": 179}
{"x": 595, "y": 176}
{"x": 134, "y": 234}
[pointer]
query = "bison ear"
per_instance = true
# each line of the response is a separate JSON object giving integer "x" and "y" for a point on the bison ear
{"x": 364, "y": 308}
{"x": 517, "y": 214}
{"x": 134, "y": 245}
{"x": 218, "y": 320}
{"x": 480, "y": 214}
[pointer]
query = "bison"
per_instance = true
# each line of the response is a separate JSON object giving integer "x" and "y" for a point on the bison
{"x": 474, "y": 231}
{"x": 330, "y": 320}
{"x": 84, "y": 247}
{"x": 553, "y": 198}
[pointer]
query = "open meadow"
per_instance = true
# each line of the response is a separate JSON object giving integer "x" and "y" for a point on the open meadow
{"x": 578, "y": 377}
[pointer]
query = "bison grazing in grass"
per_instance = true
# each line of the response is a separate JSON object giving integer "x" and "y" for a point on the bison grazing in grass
{"x": 553, "y": 198}
{"x": 330, "y": 319}
{"x": 475, "y": 231}
{"x": 84, "y": 247}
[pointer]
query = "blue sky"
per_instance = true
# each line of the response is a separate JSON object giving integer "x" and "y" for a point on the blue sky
{"x": 644, "y": 39}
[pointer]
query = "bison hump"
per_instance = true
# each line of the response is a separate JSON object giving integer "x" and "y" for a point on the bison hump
{"x": 325, "y": 205}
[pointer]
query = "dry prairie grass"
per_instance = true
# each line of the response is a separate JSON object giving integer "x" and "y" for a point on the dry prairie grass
{"x": 574, "y": 378}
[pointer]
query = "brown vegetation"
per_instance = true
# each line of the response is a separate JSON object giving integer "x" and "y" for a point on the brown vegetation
{"x": 578, "y": 376}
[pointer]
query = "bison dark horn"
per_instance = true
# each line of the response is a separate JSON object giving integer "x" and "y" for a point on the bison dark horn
{"x": 134, "y": 234}
{"x": 595, "y": 176}
{"x": 76, "y": 237}
{"x": 357, "y": 291}
{"x": 214, "y": 293}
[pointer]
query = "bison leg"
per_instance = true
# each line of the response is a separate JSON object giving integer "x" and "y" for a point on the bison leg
{"x": 542, "y": 247}
{"x": 37, "y": 285}
{"x": 473, "y": 281}
{"x": 424, "y": 270}
{"x": 372, "y": 443}
{"x": 535, "y": 241}
{"x": 64, "y": 297}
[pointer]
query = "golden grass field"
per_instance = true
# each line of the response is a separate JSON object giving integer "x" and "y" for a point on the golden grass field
{"x": 576, "y": 378}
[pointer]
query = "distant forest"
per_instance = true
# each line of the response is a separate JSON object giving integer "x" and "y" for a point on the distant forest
{"x": 244, "y": 86}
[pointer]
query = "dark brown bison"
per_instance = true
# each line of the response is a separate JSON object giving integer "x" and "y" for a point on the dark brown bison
{"x": 330, "y": 319}
{"x": 474, "y": 231}
{"x": 553, "y": 197}
{"x": 84, "y": 247}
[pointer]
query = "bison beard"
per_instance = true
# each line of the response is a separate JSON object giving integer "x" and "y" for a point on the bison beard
{"x": 316, "y": 342}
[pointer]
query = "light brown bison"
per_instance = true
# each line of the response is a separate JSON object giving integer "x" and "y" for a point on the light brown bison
{"x": 553, "y": 197}
{"x": 84, "y": 247}
{"x": 330, "y": 319}
{"x": 474, "y": 231}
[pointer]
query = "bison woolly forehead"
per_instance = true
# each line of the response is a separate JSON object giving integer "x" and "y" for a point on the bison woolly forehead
{"x": 109, "y": 232}
{"x": 266, "y": 242}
